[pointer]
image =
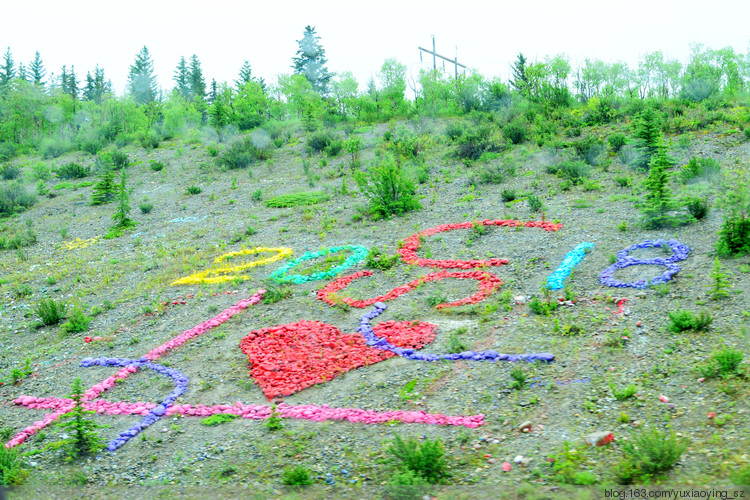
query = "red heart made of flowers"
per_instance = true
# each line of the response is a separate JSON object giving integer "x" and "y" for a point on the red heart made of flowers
{"x": 287, "y": 358}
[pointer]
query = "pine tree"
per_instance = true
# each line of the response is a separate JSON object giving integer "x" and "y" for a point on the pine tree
{"x": 648, "y": 130}
{"x": 7, "y": 70}
{"x": 84, "y": 439}
{"x": 520, "y": 79}
{"x": 69, "y": 82}
{"x": 181, "y": 79}
{"x": 213, "y": 92}
{"x": 311, "y": 60}
{"x": 245, "y": 76}
{"x": 141, "y": 79}
{"x": 37, "y": 70}
{"x": 197, "y": 82}
{"x": 123, "y": 208}
{"x": 96, "y": 87}
{"x": 658, "y": 200}
{"x": 104, "y": 190}
{"x": 719, "y": 289}
{"x": 22, "y": 74}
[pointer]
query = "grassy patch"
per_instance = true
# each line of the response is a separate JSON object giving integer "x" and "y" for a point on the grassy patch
{"x": 297, "y": 199}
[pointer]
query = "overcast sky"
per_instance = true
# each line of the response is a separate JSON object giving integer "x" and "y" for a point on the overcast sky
{"x": 358, "y": 36}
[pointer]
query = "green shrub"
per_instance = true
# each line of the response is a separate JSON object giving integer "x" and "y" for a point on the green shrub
{"x": 424, "y": 459}
{"x": 217, "y": 419}
{"x": 73, "y": 171}
{"x": 146, "y": 207}
{"x": 621, "y": 395}
{"x": 320, "y": 140}
{"x": 698, "y": 169}
{"x": 156, "y": 166}
{"x": 649, "y": 453}
{"x": 18, "y": 240}
{"x": 275, "y": 421}
{"x": 119, "y": 159}
{"x": 296, "y": 476}
{"x": 734, "y": 235}
{"x": 566, "y": 465}
{"x": 508, "y": 195}
{"x": 515, "y": 131}
{"x": 12, "y": 471}
{"x": 697, "y": 207}
{"x": 194, "y": 190}
{"x": 83, "y": 439}
{"x": 535, "y": 204}
{"x": 77, "y": 322}
{"x": 589, "y": 148}
{"x": 378, "y": 260}
{"x": 15, "y": 198}
{"x": 491, "y": 175}
{"x": 52, "y": 147}
{"x": 542, "y": 307}
{"x": 454, "y": 130}
{"x": 387, "y": 188}
{"x": 723, "y": 363}
{"x": 574, "y": 171}
{"x": 617, "y": 141}
{"x": 105, "y": 189}
{"x": 10, "y": 172}
{"x": 406, "y": 485}
{"x": 455, "y": 343}
{"x": 475, "y": 142}
{"x": 50, "y": 311}
{"x": 682, "y": 320}
{"x": 520, "y": 379}
{"x": 245, "y": 152}
{"x": 297, "y": 199}
{"x": 334, "y": 148}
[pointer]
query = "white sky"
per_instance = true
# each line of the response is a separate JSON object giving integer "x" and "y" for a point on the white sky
{"x": 359, "y": 36}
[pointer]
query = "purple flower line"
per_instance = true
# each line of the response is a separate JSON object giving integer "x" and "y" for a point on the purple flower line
{"x": 680, "y": 252}
{"x": 381, "y": 343}
{"x": 156, "y": 413}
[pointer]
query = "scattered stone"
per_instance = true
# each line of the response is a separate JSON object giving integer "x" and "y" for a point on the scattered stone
{"x": 525, "y": 427}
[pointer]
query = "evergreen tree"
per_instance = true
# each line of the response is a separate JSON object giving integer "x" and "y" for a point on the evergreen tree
{"x": 245, "y": 76}
{"x": 197, "y": 82}
{"x": 520, "y": 80}
{"x": 123, "y": 208}
{"x": 96, "y": 87}
{"x": 36, "y": 68}
{"x": 141, "y": 79}
{"x": 181, "y": 79}
{"x": 22, "y": 74}
{"x": 83, "y": 440}
{"x": 648, "y": 130}
{"x": 311, "y": 60}
{"x": 105, "y": 189}
{"x": 7, "y": 70}
{"x": 212, "y": 93}
{"x": 658, "y": 200}
{"x": 69, "y": 82}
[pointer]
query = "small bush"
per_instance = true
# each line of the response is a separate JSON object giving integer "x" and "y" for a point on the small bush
{"x": 682, "y": 320}
{"x": 520, "y": 379}
{"x": 475, "y": 142}
{"x": 334, "y": 148}
{"x": 697, "y": 207}
{"x": 296, "y": 476}
{"x": 194, "y": 190}
{"x": 156, "y": 166}
{"x": 52, "y": 148}
{"x": 10, "y": 172}
{"x": 573, "y": 170}
{"x": 698, "y": 169}
{"x": 297, "y": 199}
{"x": 515, "y": 132}
{"x": 50, "y": 311}
{"x": 320, "y": 140}
{"x": 118, "y": 159}
{"x": 542, "y": 308}
{"x": 617, "y": 141}
{"x": 734, "y": 235}
{"x": 406, "y": 485}
{"x": 218, "y": 419}
{"x": 491, "y": 175}
{"x": 649, "y": 453}
{"x": 146, "y": 207}
{"x": 73, "y": 171}
{"x": 387, "y": 188}
{"x": 723, "y": 363}
{"x": 243, "y": 153}
{"x": 378, "y": 260}
{"x": 77, "y": 322}
{"x": 18, "y": 240}
{"x": 424, "y": 459}
{"x": 589, "y": 148}
{"x": 15, "y": 198}
{"x": 508, "y": 195}
{"x": 12, "y": 471}
{"x": 626, "y": 393}
{"x": 454, "y": 130}
{"x": 535, "y": 204}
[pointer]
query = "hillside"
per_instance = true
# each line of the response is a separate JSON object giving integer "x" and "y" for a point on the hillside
{"x": 601, "y": 337}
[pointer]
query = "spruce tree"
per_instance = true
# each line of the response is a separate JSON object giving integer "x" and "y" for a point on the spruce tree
{"x": 658, "y": 200}
{"x": 311, "y": 60}
{"x": 104, "y": 190}
{"x": 181, "y": 79}
{"x": 84, "y": 439}
{"x": 7, "y": 70}
{"x": 37, "y": 71}
{"x": 648, "y": 130}
{"x": 22, "y": 73}
{"x": 245, "y": 76}
{"x": 123, "y": 207}
{"x": 197, "y": 82}
{"x": 141, "y": 79}
{"x": 519, "y": 73}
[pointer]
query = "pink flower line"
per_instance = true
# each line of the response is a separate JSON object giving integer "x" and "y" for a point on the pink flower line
{"x": 259, "y": 412}
{"x": 106, "y": 384}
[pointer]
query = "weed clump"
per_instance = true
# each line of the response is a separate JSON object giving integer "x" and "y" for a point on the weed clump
{"x": 296, "y": 476}
{"x": 218, "y": 419}
{"x": 649, "y": 453}
{"x": 424, "y": 460}
{"x": 682, "y": 320}
{"x": 50, "y": 311}
{"x": 388, "y": 189}
{"x": 296, "y": 199}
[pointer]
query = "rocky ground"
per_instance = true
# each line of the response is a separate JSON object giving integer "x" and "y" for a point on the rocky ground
{"x": 127, "y": 280}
